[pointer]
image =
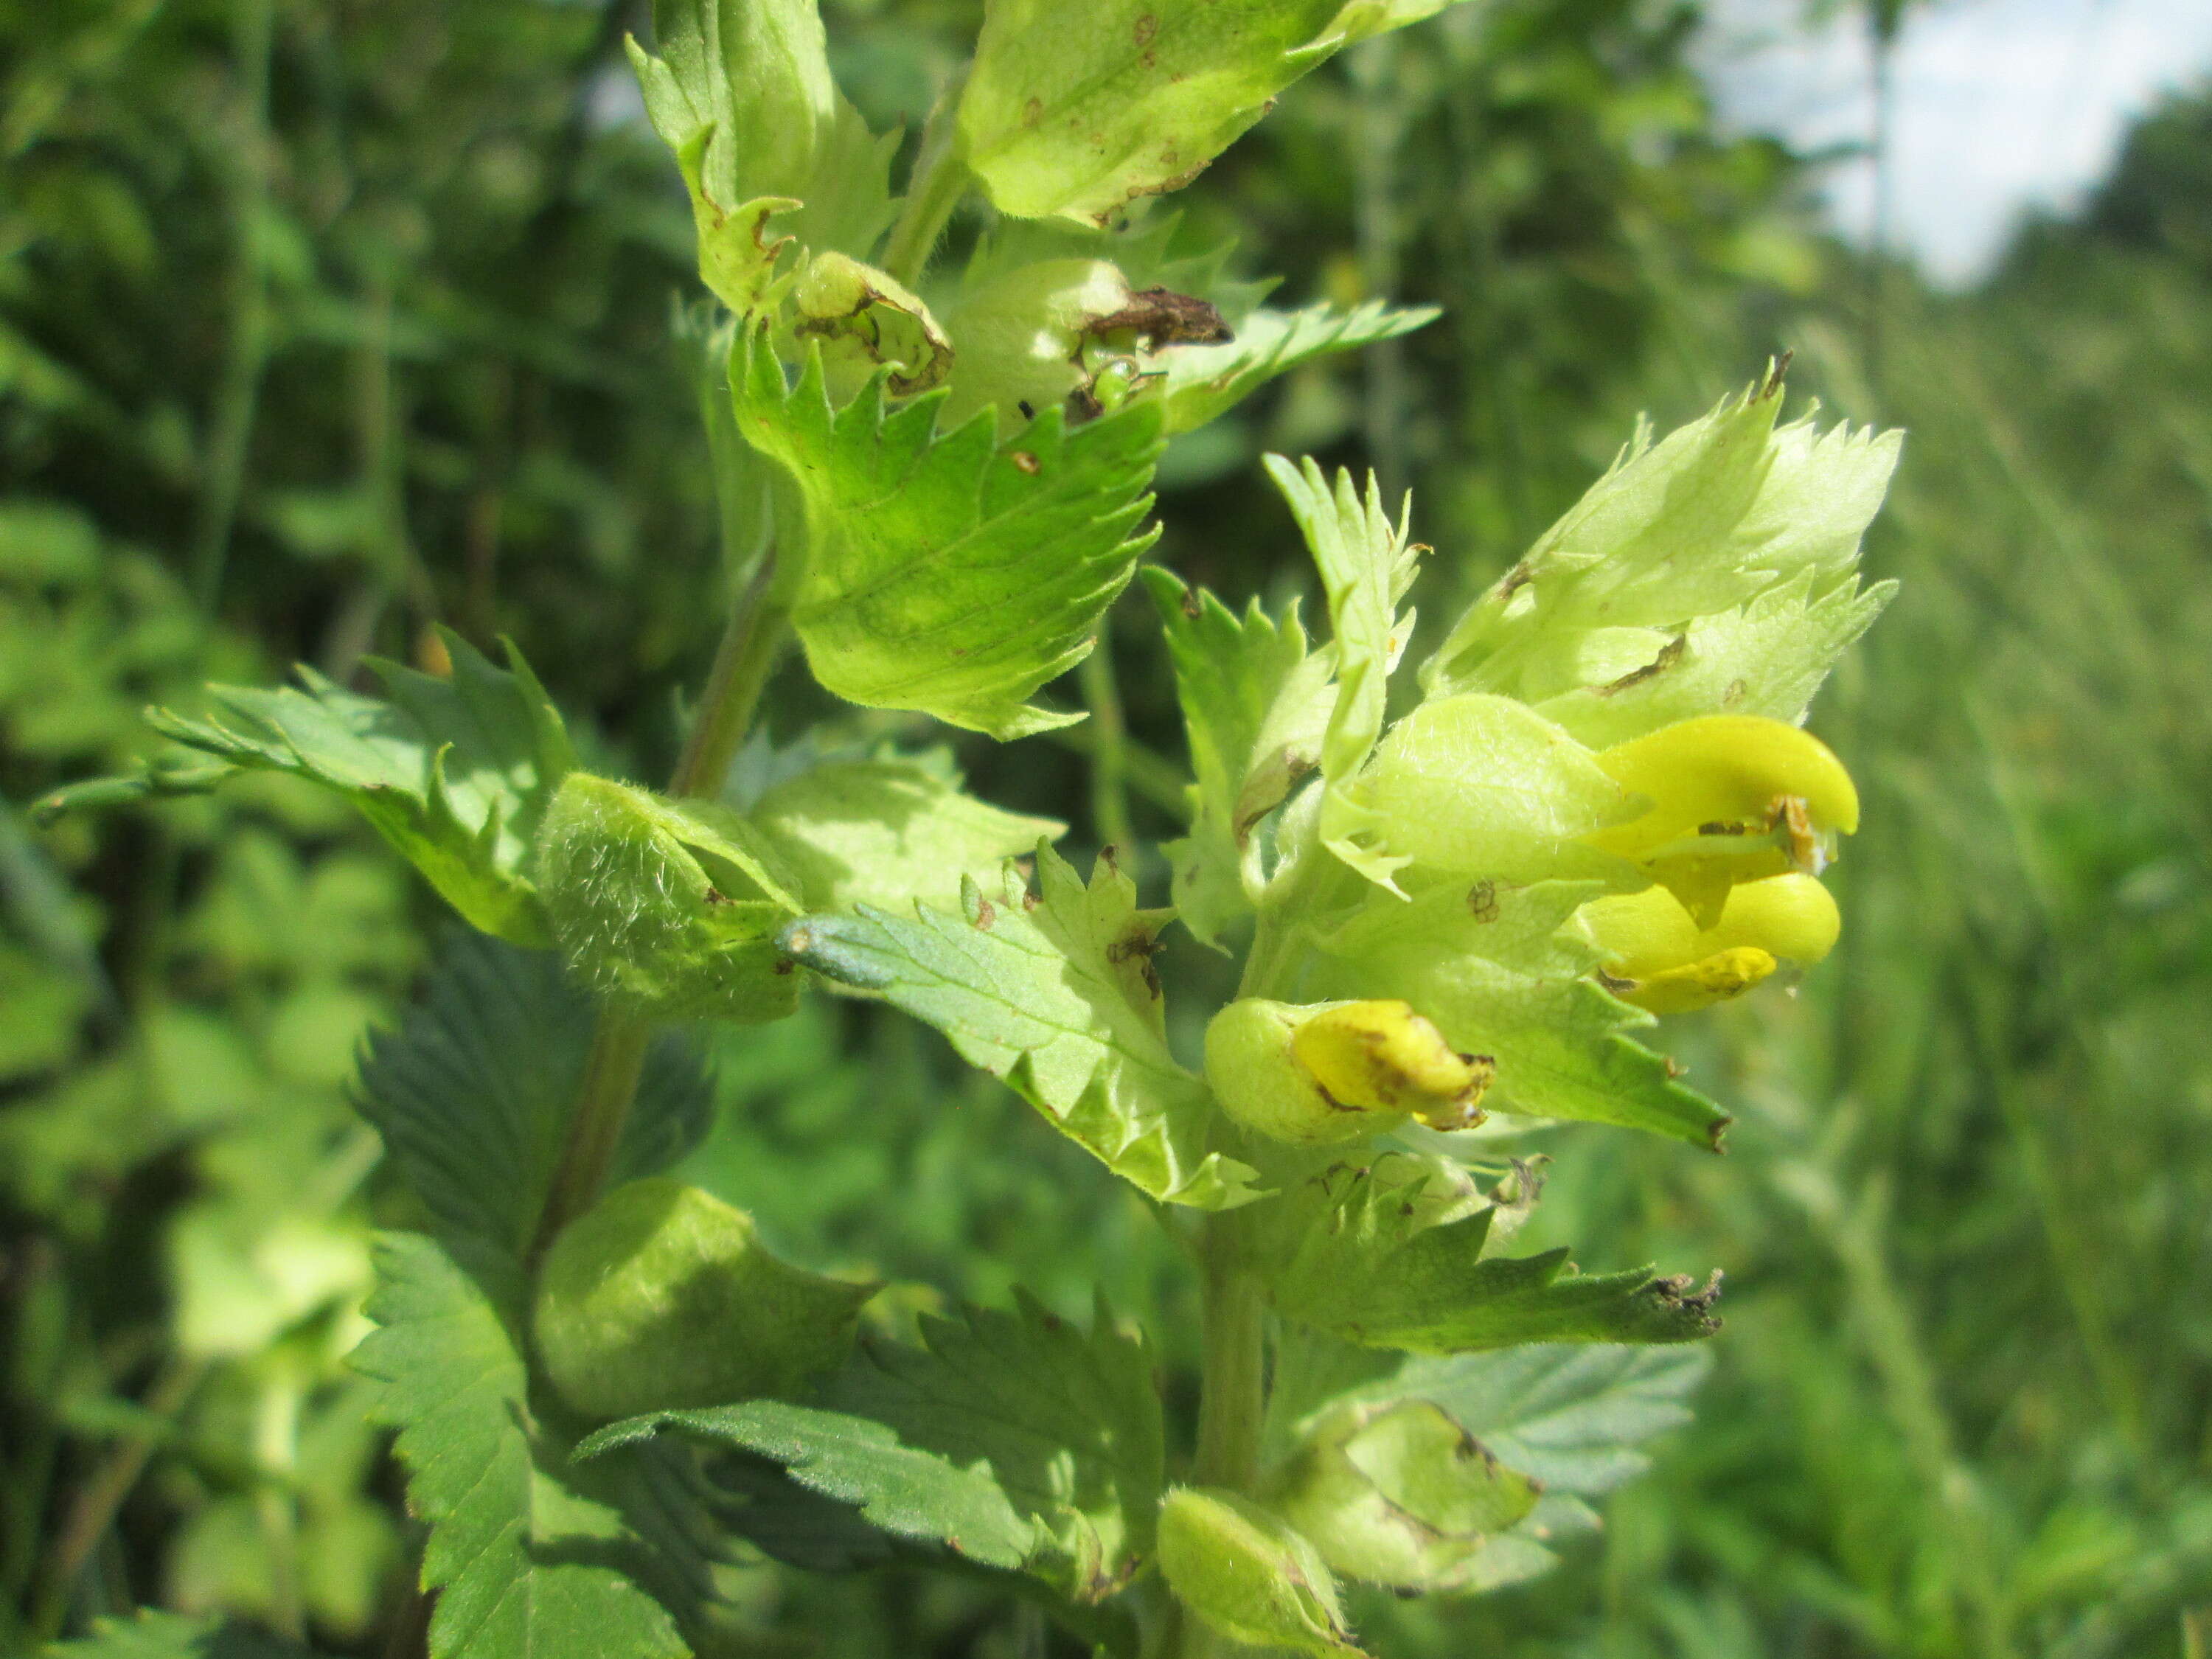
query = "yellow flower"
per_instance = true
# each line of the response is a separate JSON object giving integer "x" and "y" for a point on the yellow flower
{"x": 1659, "y": 958}
{"x": 1732, "y": 798}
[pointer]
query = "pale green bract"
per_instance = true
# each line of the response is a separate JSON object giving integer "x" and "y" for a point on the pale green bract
{"x": 1366, "y": 564}
{"x": 1714, "y": 571}
{"x": 947, "y": 573}
{"x": 741, "y": 93}
{"x": 1055, "y": 993}
{"x": 1204, "y": 382}
{"x": 1231, "y": 674}
{"x": 1075, "y": 110}
{"x": 887, "y": 832}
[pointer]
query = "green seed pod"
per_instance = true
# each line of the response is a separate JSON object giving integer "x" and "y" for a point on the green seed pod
{"x": 1326, "y": 1071}
{"x": 1247, "y": 1574}
{"x": 661, "y": 1297}
{"x": 1400, "y": 1494}
{"x": 668, "y": 907}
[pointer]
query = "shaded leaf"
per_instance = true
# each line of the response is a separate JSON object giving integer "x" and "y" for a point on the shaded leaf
{"x": 1013, "y": 1439}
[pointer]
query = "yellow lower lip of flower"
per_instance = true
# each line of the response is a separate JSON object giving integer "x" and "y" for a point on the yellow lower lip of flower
{"x": 1660, "y": 958}
{"x": 1719, "y": 977}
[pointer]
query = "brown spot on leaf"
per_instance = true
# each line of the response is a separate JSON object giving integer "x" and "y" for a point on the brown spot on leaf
{"x": 1025, "y": 462}
{"x": 985, "y": 914}
{"x": 1734, "y": 693}
{"x": 1482, "y": 901}
{"x": 1032, "y": 112}
{"x": 1190, "y": 605}
{"x": 716, "y": 896}
{"x": 787, "y": 966}
{"x": 1146, "y": 27}
{"x": 1669, "y": 654}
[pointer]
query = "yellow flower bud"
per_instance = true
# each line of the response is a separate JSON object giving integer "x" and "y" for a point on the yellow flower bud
{"x": 1338, "y": 1071}
{"x": 1734, "y": 798}
{"x": 1670, "y": 965}
{"x": 1385, "y": 1057}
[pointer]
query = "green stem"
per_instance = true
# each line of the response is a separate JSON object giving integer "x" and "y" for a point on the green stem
{"x": 750, "y": 644}
{"x": 742, "y": 662}
{"x": 939, "y": 181}
{"x": 1109, "y": 769}
{"x": 1232, "y": 1396}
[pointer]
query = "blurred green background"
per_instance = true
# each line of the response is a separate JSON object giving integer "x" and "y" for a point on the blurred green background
{"x": 321, "y": 320}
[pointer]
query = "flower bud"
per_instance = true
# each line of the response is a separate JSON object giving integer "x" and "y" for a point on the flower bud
{"x": 1732, "y": 797}
{"x": 661, "y": 1297}
{"x": 669, "y": 906}
{"x": 1248, "y": 1575}
{"x": 1338, "y": 1071}
{"x": 1666, "y": 963}
{"x": 1400, "y": 1494}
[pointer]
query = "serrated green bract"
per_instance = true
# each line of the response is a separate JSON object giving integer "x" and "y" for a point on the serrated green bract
{"x": 946, "y": 572}
{"x": 472, "y": 1092}
{"x": 1231, "y": 674}
{"x": 1349, "y": 1252}
{"x": 1014, "y": 1439}
{"x": 1570, "y": 1416}
{"x": 1206, "y": 382}
{"x": 1366, "y": 565}
{"x": 1504, "y": 971}
{"x": 669, "y": 906}
{"x": 455, "y": 774}
{"x": 1056, "y": 995}
{"x": 887, "y": 832}
{"x": 1400, "y": 1494}
{"x": 1248, "y": 1573}
{"x": 741, "y": 93}
{"x": 152, "y": 1634}
{"x": 524, "y": 1562}
{"x": 1711, "y": 571}
{"x": 1076, "y": 111}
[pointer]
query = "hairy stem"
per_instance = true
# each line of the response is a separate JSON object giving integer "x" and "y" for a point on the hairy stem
{"x": 750, "y": 644}
{"x": 1232, "y": 1394}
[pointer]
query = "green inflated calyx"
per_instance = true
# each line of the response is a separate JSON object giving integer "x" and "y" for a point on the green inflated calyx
{"x": 1247, "y": 1574}
{"x": 668, "y": 907}
{"x": 662, "y": 1297}
{"x": 1400, "y": 1494}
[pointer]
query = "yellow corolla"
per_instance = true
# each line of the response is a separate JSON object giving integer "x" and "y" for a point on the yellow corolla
{"x": 1733, "y": 797}
{"x": 1661, "y": 959}
{"x": 1318, "y": 1073}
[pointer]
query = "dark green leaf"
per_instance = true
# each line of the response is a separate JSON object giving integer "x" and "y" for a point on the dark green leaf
{"x": 1013, "y": 1439}
{"x": 473, "y": 1091}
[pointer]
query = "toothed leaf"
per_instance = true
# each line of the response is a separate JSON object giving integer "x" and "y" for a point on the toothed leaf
{"x": 455, "y": 774}
{"x": 1012, "y": 1439}
{"x": 947, "y": 573}
{"x": 1056, "y": 995}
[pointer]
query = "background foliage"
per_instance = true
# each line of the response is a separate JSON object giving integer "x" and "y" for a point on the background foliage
{"x": 321, "y": 321}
